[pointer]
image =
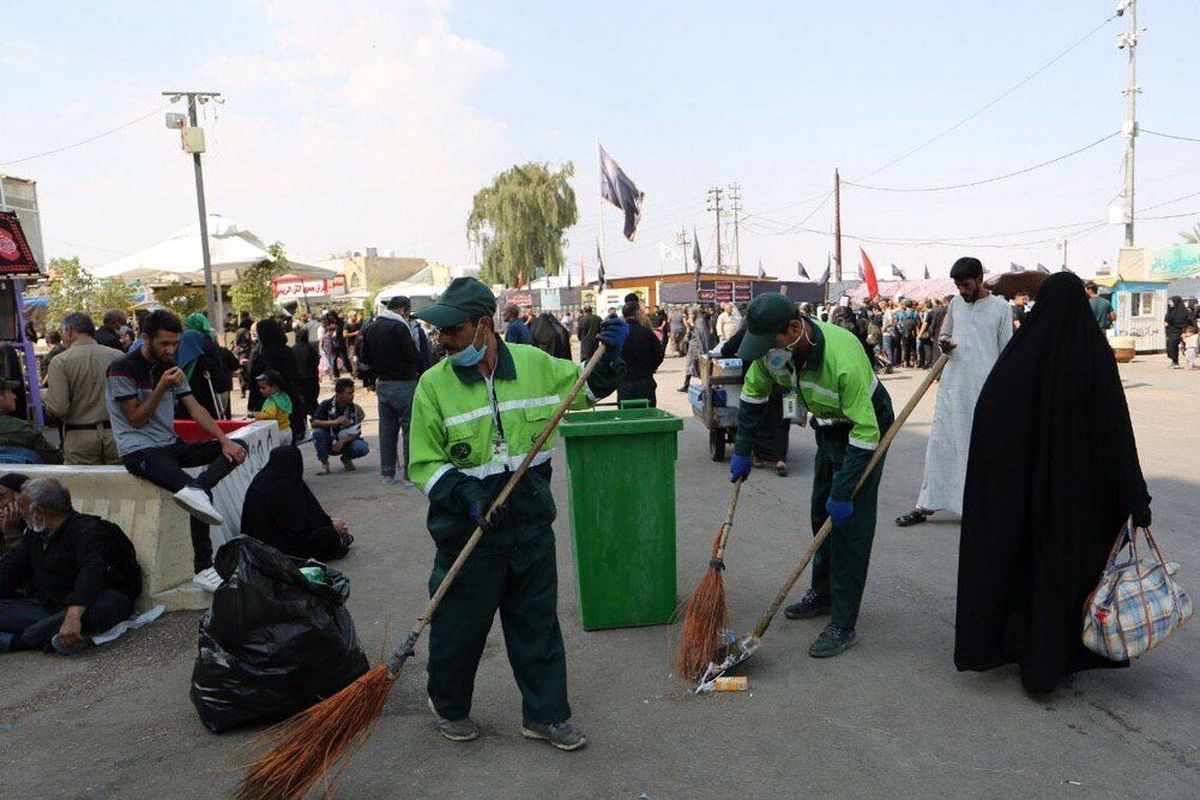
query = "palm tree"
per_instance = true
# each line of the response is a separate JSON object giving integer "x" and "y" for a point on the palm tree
{"x": 1192, "y": 236}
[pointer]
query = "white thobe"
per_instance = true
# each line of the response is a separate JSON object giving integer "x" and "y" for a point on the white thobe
{"x": 980, "y": 330}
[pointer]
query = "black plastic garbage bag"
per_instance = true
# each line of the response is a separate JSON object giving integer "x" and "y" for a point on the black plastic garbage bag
{"x": 273, "y": 643}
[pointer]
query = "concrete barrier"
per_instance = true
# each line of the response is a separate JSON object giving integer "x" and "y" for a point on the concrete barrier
{"x": 158, "y": 528}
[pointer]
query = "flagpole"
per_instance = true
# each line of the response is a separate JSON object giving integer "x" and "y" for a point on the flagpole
{"x": 600, "y": 197}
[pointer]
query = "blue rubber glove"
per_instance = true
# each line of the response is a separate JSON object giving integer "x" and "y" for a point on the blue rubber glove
{"x": 739, "y": 467}
{"x": 613, "y": 332}
{"x": 478, "y": 513}
{"x": 840, "y": 511}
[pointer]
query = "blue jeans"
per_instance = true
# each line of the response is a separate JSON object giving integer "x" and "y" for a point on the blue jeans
{"x": 395, "y": 411}
{"x": 323, "y": 440}
{"x": 15, "y": 454}
{"x": 889, "y": 348}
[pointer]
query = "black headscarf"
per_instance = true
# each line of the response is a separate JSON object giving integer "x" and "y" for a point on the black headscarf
{"x": 282, "y": 511}
{"x": 1178, "y": 317}
{"x": 1052, "y": 477}
{"x": 272, "y": 352}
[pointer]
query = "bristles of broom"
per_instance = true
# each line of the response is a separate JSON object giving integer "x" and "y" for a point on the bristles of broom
{"x": 306, "y": 746}
{"x": 706, "y": 617}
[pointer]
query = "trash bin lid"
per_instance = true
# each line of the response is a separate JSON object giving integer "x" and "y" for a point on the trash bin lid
{"x": 619, "y": 422}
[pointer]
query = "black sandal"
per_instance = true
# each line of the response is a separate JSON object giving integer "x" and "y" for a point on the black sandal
{"x": 913, "y": 517}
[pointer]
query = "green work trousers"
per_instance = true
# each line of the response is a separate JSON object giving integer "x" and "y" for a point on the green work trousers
{"x": 522, "y": 583}
{"x": 839, "y": 569}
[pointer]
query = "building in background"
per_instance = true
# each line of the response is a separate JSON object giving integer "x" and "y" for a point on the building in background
{"x": 367, "y": 269}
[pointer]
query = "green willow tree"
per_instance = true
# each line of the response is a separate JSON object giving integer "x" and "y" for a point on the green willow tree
{"x": 518, "y": 221}
{"x": 252, "y": 291}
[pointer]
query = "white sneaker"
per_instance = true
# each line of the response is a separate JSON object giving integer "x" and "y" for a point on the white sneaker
{"x": 193, "y": 500}
{"x": 208, "y": 579}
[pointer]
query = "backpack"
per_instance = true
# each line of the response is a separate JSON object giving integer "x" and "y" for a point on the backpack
{"x": 906, "y": 322}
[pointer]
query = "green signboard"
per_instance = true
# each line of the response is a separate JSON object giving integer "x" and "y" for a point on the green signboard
{"x": 1176, "y": 261}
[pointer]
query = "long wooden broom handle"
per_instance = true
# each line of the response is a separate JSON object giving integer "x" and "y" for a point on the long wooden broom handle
{"x": 401, "y": 653}
{"x": 765, "y": 620}
{"x": 728, "y": 524}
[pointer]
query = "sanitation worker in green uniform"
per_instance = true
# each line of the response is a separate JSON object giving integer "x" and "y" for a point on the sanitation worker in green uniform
{"x": 475, "y": 416}
{"x": 826, "y": 371}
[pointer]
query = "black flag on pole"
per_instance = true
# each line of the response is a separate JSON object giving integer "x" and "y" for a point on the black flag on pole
{"x": 618, "y": 189}
{"x": 828, "y": 266}
{"x": 762, "y": 273}
{"x": 600, "y": 271}
{"x": 897, "y": 273}
{"x": 926, "y": 272}
{"x": 1015, "y": 267}
{"x": 1043, "y": 268}
{"x": 801, "y": 271}
{"x": 696, "y": 256}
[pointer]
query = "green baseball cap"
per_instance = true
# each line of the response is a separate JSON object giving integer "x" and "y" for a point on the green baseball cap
{"x": 463, "y": 299}
{"x": 766, "y": 316}
{"x": 9, "y": 386}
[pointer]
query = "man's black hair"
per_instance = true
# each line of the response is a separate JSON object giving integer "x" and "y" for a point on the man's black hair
{"x": 160, "y": 320}
{"x": 399, "y": 303}
{"x": 342, "y": 384}
{"x": 967, "y": 268}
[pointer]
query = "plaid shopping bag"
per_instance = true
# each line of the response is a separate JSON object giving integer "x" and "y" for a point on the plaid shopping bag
{"x": 1138, "y": 603}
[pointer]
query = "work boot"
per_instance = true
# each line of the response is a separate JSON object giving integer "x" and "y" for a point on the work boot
{"x": 456, "y": 730}
{"x": 562, "y": 735}
{"x": 811, "y": 605}
{"x": 833, "y": 641}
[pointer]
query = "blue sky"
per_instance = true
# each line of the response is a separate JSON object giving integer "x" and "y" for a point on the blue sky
{"x": 373, "y": 124}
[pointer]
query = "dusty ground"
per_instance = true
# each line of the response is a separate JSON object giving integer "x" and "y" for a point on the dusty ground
{"x": 891, "y": 718}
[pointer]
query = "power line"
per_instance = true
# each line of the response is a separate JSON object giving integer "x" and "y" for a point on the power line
{"x": 1169, "y": 135}
{"x": 993, "y": 101}
{"x": 983, "y": 181}
{"x": 88, "y": 140}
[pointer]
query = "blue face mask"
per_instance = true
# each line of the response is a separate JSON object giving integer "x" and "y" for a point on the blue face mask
{"x": 470, "y": 355}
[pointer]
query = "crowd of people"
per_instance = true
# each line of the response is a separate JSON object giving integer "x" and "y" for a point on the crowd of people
{"x": 464, "y": 389}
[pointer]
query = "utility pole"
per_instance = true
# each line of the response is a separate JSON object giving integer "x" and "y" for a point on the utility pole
{"x": 1063, "y": 246}
{"x": 735, "y": 197}
{"x": 209, "y": 296}
{"x": 714, "y": 204}
{"x": 837, "y": 226}
{"x": 681, "y": 239}
{"x": 1128, "y": 41}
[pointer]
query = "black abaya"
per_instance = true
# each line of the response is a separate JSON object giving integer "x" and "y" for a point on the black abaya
{"x": 1052, "y": 477}
{"x": 282, "y": 511}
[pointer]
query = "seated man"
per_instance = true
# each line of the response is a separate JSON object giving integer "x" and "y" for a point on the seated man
{"x": 337, "y": 427}
{"x": 12, "y": 527}
{"x": 141, "y": 392}
{"x": 20, "y": 441}
{"x": 72, "y": 575}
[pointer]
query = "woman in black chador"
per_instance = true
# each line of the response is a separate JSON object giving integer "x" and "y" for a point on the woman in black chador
{"x": 1052, "y": 478}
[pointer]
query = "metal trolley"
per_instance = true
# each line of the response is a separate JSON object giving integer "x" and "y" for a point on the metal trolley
{"x": 718, "y": 376}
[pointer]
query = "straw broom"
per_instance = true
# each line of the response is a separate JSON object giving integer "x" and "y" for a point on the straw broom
{"x": 707, "y": 614}
{"x": 305, "y": 747}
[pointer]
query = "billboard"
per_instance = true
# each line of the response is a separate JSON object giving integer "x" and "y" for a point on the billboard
{"x": 16, "y": 257}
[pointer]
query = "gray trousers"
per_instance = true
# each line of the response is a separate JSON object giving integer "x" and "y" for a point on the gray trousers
{"x": 395, "y": 412}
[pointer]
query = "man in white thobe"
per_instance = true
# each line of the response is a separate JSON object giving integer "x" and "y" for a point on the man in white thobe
{"x": 977, "y": 327}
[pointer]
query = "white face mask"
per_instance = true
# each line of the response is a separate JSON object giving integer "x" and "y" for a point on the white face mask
{"x": 777, "y": 359}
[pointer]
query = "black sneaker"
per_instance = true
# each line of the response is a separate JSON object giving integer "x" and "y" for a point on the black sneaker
{"x": 562, "y": 735}
{"x": 811, "y": 605}
{"x": 833, "y": 641}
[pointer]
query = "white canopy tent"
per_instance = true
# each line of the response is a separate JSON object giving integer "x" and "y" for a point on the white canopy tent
{"x": 179, "y": 258}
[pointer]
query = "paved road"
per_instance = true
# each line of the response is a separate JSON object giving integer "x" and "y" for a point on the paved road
{"x": 891, "y": 718}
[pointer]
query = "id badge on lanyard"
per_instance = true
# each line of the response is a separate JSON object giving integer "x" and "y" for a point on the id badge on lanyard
{"x": 499, "y": 449}
{"x": 791, "y": 407}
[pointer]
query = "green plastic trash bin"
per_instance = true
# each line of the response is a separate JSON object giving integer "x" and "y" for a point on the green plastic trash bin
{"x": 621, "y": 490}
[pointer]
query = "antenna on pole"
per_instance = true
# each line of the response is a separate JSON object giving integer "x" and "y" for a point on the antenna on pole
{"x": 714, "y": 204}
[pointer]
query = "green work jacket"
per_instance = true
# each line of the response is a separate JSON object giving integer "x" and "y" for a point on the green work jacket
{"x": 837, "y": 385}
{"x": 469, "y": 434}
